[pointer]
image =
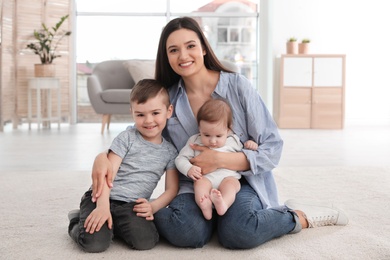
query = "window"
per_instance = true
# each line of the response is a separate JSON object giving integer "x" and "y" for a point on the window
{"x": 122, "y": 29}
{"x": 234, "y": 31}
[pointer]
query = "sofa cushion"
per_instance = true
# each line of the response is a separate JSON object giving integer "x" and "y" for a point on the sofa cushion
{"x": 116, "y": 96}
{"x": 140, "y": 69}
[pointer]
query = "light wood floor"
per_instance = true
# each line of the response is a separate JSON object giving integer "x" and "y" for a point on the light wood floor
{"x": 74, "y": 147}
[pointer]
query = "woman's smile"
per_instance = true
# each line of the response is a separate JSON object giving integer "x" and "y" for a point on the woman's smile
{"x": 186, "y": 64}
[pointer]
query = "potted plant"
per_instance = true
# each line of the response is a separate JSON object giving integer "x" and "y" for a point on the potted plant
{"x": 304, "y": 46}
{"x": 45, "y": 46}
{"x": 292, "y": 46}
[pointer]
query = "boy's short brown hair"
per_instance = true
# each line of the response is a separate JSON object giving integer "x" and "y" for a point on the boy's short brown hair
{"x": 146, "y": 89}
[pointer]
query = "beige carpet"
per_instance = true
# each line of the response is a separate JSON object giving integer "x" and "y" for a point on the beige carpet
{"x": 34, "y": 206}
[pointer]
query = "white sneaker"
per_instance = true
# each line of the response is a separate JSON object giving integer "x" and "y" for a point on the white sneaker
{"x": 318, "y": 214}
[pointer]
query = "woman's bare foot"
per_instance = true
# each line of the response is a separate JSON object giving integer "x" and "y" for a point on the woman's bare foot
{"x": 302, "y": 218}
{"x": 219, "y": 203}
{"x": 206, "y": 206}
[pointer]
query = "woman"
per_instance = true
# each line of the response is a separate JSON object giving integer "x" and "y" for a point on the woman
{"x": 188, "y": 67}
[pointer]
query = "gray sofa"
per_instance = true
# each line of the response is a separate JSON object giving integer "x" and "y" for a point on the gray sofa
{"x": 111, "y": 81}
{"x": 110, "y": 84}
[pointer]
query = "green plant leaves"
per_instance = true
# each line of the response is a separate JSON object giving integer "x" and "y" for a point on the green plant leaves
{"x": 48, "y": 40}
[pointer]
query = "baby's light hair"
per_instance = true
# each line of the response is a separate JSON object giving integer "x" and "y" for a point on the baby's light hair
{"x": 216, "y": 110}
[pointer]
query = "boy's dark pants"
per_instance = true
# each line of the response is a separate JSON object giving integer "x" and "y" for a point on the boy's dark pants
{"x": 137, "y": 232}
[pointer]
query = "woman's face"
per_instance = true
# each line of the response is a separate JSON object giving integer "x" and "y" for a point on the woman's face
{"x": 185, "y": 52}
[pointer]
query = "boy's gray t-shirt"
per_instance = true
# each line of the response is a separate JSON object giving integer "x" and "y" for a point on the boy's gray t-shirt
{"x": 143, "y": 164}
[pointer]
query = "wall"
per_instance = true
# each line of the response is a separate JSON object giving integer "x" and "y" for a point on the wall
{"x": 358, "y": 29}
{"x": 7, "y": 63}
{"x": 28, "y": 16}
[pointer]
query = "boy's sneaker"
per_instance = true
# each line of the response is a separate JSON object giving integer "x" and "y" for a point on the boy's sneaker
{"x": 74, "y": 218}
{"x": 318, "y": 214}
{"x": 74, "y": 215}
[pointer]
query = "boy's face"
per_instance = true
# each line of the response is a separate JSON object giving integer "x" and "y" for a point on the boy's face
{"x": 213, "y": 135}
{"x": 151, "y": 117}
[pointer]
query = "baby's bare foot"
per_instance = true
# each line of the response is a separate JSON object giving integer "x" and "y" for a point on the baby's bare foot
{"x": 219, "y": 203}
{"x": 206, "y": 206}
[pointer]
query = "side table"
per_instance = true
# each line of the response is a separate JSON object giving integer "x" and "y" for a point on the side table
{"x": 47, "y": 84}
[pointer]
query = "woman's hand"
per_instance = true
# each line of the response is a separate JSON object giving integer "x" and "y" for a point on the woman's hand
{"x": 144, "y": 209}
{"x": 206, "y": 160}
{"x": 210, "y": 160}
{"x": 101, "y": 174}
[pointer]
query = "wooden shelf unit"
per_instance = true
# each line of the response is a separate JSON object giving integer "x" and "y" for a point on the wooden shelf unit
{"x": 310, "y": 91}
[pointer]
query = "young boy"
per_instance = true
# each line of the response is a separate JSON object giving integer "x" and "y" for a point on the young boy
{"x": 139, "y": 157}
{"x": 218, "y": 188}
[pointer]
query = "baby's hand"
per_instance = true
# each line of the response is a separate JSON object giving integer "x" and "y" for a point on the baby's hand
{"x": 195, "y": 173}
{"x": 251, "y": 145}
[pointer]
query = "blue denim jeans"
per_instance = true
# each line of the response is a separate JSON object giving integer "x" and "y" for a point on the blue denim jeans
{"x": 137, "y": 232}
{"x": 245, "y": 225}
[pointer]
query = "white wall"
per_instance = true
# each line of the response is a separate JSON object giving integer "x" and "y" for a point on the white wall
{"x": 361, "y": 30}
